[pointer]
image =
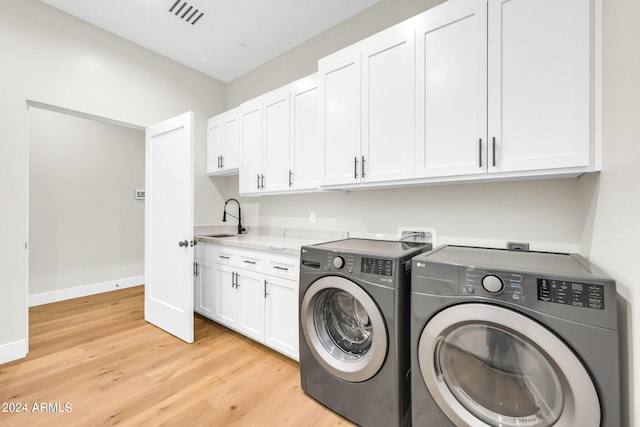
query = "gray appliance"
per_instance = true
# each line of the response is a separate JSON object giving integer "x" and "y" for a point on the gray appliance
{"x": 504, "y": 338}
{"x": 354, "y": 324}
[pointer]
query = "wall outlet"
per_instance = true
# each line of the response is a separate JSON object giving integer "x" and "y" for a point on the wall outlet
{"x": 312, "y": 217}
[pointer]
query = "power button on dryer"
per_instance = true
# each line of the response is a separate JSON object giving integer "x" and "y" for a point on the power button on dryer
{"x": 338, "y": 262}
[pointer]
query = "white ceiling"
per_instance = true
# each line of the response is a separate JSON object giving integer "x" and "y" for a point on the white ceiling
{"x": 230, "y": 39}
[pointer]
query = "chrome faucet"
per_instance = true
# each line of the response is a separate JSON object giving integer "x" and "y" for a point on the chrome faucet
{"x": 241, "y": 229}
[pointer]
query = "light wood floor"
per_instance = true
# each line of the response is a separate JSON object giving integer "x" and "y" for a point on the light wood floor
{"x": 98, "y": 356}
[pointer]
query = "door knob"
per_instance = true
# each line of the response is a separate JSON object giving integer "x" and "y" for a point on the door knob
{"x": 184, "y": 243}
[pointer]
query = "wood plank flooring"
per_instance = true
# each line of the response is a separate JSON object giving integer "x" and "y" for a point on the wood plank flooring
{"x": 95, "y": 361}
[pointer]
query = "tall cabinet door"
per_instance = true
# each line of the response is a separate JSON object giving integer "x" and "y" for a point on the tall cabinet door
{"x": 214, "y": 143}
{"x": 281, "y": 308}
{"x": 250, "y": 180}
{"x": 231, "y": 139}
{"x": 205, "y": 298}
{"x": 275, "y": 107}
{"x": 540, "y": 77}
{"x": 451, "y": 109}
{"x": 388, "y": 103}
{"x": 340, "y": 82}
{"x": 306, "y": 150}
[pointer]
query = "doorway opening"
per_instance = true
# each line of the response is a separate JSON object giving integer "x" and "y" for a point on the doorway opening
{"x": 85, "y": 226}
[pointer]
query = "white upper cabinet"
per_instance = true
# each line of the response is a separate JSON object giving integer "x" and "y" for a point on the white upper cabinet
{"x": 451, "y": 107}
{"x": 541, "y": 69}
{"x": 279, "y": 139}
{"x": 340, "y": 102}
{"x": 223, "y": 143}
{"x": 505, "y": 87}
{"x": 251, "y": 174}
{"x": 276, "y": 133}
{"x": 305, "y": 151}
{"x": 388, "y": 104}
{"x": 367, "y": 103}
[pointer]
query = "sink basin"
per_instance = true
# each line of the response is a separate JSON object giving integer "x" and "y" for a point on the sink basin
{"x": 219, "y": 235}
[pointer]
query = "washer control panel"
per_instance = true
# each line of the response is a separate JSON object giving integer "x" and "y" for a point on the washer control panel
{"x": 571, "y": 293}
{"x": 504, "y": 285}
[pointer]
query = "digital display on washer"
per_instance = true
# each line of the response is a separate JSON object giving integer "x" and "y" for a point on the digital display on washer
{"x": 381, "y": 267}
{"x": 571, "y": 293}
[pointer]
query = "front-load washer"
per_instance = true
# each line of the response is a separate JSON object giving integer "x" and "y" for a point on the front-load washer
{"x": 354, "y": 324}
{"x": 505, "y": 338}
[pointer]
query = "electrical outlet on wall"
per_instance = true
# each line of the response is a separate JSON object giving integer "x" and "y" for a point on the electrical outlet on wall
{"x": 312, "y": 217}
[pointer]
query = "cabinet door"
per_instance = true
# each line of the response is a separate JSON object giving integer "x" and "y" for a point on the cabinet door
{"x": 540, "y": 77}
{"x": 205, "y": 298}
{"x": 305, "y": 148}
{"x": 251, "y": 291}
{"x": 388, "y": 104}
{"x": 231, "y": 139}
{"x": 275, "y": 106}
{"x": 214, "y": 144}
{"x": 250, "y": 180}
{"x": 451, "y": 107}
{"x": 226, "y": 296}
{"x": 282, "y": 316}
{"x": 340, "y": 104}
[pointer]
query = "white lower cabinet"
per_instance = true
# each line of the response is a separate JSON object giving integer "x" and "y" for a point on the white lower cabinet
{"x": 232, "y": 288}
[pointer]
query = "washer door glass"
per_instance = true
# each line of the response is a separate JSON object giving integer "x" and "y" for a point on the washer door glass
{"x": 343, "y": 328}
{"x": 343, "y": 324}
{"x": 486, "y": 365}
{"x": 499, "y": 377}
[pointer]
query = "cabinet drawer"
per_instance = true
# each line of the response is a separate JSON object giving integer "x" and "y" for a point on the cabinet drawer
{"x": 253, "y": 261}
{"x": 281, "y": 266}
{"x": 224, "y": 255}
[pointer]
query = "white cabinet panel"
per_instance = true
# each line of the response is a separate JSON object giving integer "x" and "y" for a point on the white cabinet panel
{"x": 340, "y": 88}
{"x": 540, "y": 77}
{"x": 226, "y": 296}
{"x": 306, "y": 150}
{"x": 282, "y": 308}
{"x": 223, "y": 143}
{"x": 388, "y": 105}
{"x": 275, "y": 107}
{"x": 451, "y": 107}
{"x": 251, "y": 291}
{"x": 205, "y": 289}
{"x": 251, "y": 175}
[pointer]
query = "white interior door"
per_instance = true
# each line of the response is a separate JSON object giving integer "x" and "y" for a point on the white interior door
{"x": 169, "y": 226}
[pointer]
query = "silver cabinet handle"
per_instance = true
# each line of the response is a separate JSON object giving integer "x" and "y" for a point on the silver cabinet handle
{"x": 480, "y": 152}
{"x": 290, "y": 181}
{"x": 494, "y": 151}
{"x": 258, "y": 184}
{"x": 223, "y": 256}
{"x": 262, "y": 181}
{"x": 266, "y": 294}
{"x": 246, "y": 261}
{"x": 277, "y": 267}
{"x": 362, "y": 167}
{"x": 355, "y": 167}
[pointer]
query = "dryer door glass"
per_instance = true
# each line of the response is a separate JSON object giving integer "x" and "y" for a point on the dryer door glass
{"x": 499, "y": 377}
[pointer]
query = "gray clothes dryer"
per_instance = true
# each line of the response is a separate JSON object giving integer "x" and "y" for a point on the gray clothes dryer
{"x": 354, "y": 328}
{"x": 503, "y": 338}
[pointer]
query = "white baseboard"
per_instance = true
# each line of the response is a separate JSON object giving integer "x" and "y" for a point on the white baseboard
{"x": 83, "y": 291}
{"x": 13, "y": 351}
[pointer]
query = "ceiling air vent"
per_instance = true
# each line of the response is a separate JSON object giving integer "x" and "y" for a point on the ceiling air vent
{"x": 186, "y": 12}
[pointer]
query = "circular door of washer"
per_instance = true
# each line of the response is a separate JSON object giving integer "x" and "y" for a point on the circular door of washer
{"x": 344, "y": 328}
{"x": 490, "y": 366}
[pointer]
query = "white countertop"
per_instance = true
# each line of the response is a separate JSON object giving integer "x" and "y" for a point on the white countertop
{"x": 263, "y": 239}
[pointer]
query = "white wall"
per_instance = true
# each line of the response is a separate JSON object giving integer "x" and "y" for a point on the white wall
{"x": 50, "y": 57}
{"x": 595, "y": 215}
{"x": 85, "y": 226}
